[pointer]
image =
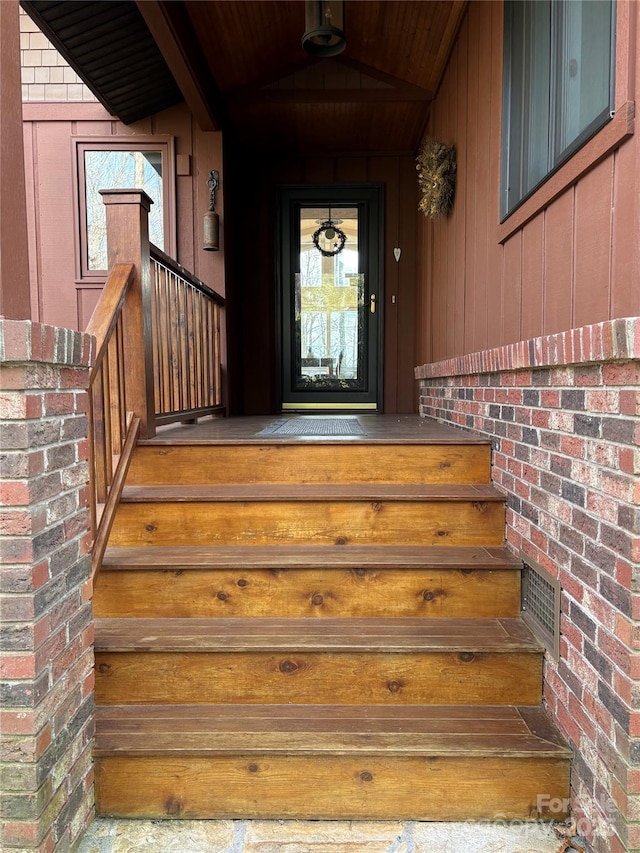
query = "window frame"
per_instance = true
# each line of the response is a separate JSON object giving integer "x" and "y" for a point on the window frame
{"x": 163, "y": 144}
{"x": 556, "y": 160}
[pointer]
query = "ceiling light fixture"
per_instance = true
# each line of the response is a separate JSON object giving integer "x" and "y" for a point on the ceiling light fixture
{"x": 324, "y": 27}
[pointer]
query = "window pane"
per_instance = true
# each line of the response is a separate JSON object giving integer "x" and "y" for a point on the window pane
{"x": 105, "y": 170}
{"x": 556, "y": 86}
{"x": 536, "y": 93}
{"x": 329, "y": 305}
{"x": 583, "y": 67}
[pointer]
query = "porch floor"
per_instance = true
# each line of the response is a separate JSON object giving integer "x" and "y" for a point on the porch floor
{"x": 410, "y": 429}
{"x": 106, "y": 835}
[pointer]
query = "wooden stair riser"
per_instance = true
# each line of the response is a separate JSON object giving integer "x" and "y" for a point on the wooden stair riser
{"x": 452, "y": 678}
{"x": 319, "y": 522}
{"x": 232, "y": 677}
{"x": 317, "y": 592}
{"x": 328, "y": 787}
{"x": 306, "y": 462}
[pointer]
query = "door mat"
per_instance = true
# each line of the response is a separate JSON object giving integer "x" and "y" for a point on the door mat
{"x": 314, "y": 426}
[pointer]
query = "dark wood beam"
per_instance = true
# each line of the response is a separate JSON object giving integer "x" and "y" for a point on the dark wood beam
{"x": 176, "y": 38}
{"x": 329, "y": 96}
{"x": 393, "y": 89}
{"x": 389, "y": 79}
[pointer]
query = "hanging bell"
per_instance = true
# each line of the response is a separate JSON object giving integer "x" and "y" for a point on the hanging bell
{"x": 211, "y": 231}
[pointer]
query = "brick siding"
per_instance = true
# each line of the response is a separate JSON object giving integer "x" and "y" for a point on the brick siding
{"x": 563, "y": 414}
{"x": 45, "y": 74}
{"x": 46, "y": 634}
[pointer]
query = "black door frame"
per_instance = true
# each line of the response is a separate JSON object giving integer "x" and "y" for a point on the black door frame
{"x": 290, "y": 198}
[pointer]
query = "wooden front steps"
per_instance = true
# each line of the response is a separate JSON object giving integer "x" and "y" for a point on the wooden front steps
{"x": 317, "y": 629}
{"x": 401, "y": 661}
{"x": 317, "y": 761}
{"x": 276, "y": 462}
{"x": 308, "y": 580}
{"x": 260, "y": 514}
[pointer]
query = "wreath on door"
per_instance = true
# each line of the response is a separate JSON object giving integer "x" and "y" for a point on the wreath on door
{"x": 330, "y": 231}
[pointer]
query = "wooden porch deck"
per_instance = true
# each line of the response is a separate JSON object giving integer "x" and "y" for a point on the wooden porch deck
{"x": 396, "y": 429}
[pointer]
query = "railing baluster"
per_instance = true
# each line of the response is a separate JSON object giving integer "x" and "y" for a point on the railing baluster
{"x": 155, "y": 331}
{"x": 122, "y": 401}
{"x": 186, "y": 337}
{"x": 106, "y": 393}
{"x": 163, "y": 367}
{"x": 99, "y": 440}
{"x": 211, "y": 352}
{"x": 198, "y": 303}
{"x": 217, "y": 357}
{"x": 175, "y": 343}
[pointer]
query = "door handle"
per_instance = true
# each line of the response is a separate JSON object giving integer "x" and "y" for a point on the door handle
{"x": 372, "y": 303}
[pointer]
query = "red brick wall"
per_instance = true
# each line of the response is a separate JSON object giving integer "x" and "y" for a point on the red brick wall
{"x": 46, "y": 668}
{"x": 563, "y": 413}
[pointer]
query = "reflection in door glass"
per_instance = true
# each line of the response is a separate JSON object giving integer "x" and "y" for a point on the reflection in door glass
{"x": 329, "y": 302}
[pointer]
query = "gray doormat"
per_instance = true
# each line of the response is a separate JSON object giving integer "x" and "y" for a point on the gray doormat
{"x": 314, "y": 426}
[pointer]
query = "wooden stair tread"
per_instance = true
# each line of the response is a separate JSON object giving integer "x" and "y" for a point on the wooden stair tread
{"x": 470, "y": 731}
{"x": 254, "y": 492}
{"x": 372, "y": 557}
{"x": 396, "y": 635}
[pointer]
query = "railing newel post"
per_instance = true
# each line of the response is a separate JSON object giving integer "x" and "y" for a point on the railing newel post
{"x": 128, "y": 242}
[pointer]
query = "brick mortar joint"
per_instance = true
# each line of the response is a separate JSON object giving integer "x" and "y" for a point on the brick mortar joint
{"x": 600, "y": 343}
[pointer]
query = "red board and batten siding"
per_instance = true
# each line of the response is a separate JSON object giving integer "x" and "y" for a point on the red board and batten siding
{"x": 59, "y": 296}
{"x": 568, "y": 257}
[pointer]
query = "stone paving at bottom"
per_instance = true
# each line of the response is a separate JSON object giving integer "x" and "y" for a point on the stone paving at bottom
{"x": 297, "y": 836}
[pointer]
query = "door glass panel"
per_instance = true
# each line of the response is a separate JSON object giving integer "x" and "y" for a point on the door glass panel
{"x": 330, "y": 318}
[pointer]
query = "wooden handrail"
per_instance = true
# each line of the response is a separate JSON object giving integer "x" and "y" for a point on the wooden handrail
{"x": 158, "y": 255}
{"x": 106, "y": 313}
{"x": 112, "y": 431}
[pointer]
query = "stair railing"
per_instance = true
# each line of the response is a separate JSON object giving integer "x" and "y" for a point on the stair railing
{"x": 186, "y": 342}
{"x": 113, "y": 430}
{"x": 159, "y": 353}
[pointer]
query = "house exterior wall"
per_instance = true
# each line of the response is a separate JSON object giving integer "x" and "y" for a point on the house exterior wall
{"x": 45, "y": 74}
{"x": 60, "y": 295}
{"x": 46, "y": 637}
{"x": 563, "y": 414}
{"x": 570, "y": 256}
{"x": 528, "y": 333}
{"x": 59, "y": 111}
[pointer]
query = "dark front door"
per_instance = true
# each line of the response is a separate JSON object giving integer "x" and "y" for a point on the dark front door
{"x": 330, "y": 294}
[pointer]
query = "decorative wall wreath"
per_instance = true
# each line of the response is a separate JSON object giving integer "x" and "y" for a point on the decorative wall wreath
{"x": 436, "y": 177}
{"x": 331, "y": 232}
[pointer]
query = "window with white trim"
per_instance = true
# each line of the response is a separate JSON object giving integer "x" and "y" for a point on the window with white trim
{"x": 557, "y": 87}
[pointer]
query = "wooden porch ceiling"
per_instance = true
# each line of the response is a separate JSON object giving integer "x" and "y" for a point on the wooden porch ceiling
{"x": 241, "y": 67}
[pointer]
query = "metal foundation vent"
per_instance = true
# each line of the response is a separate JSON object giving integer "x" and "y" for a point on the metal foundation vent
{"x": 540, "y": 604}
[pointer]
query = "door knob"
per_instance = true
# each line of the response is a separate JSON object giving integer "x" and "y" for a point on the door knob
{"x": 372, "y": 303}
